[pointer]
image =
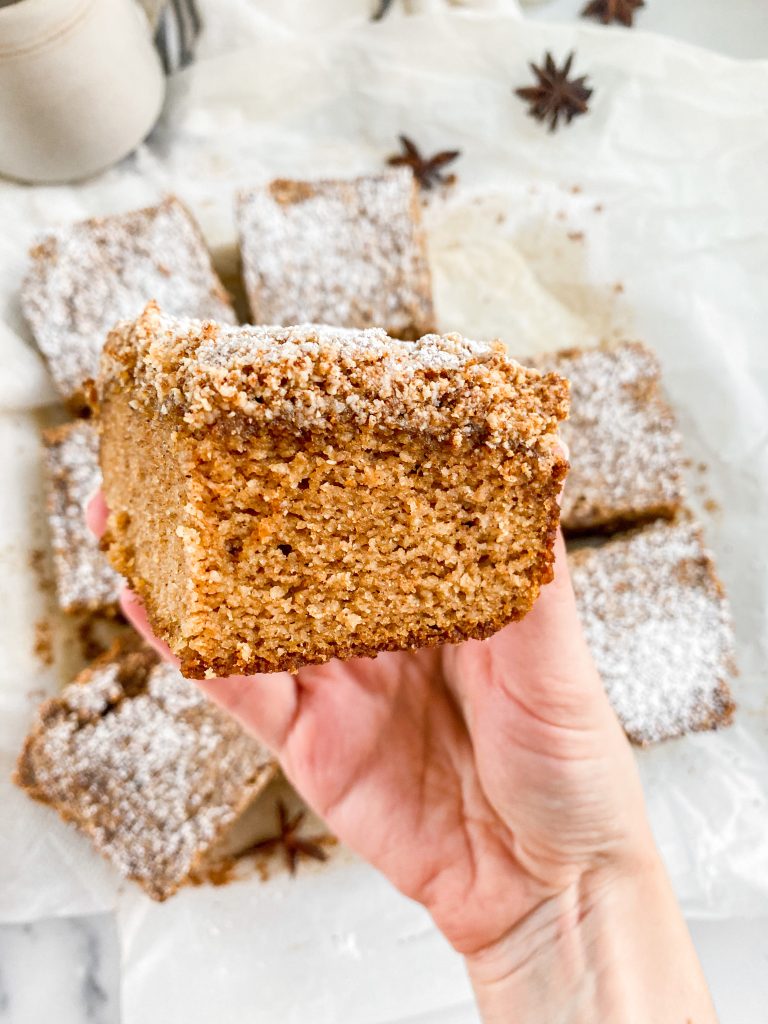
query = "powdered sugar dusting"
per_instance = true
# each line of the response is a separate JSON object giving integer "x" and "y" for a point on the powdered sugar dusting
{"x": 84, "y": 578}
{"x": 85, "y": 277}
{"x": 659, "y": 629}
{"x": 154, "y": 773}
{"x": 625, "y": 449}
{"x": 312, "y": 377}
{"x": 337, "y": 252}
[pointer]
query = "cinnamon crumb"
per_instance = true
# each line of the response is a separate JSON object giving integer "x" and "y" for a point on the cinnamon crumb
{"x": 38, "y": 563}
{"x": 43, "y": 646}
{"x": 576, "y": 236}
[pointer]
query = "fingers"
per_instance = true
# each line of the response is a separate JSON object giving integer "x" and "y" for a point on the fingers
{"x": 136, "y": 614}
{"x": 96, "y": 514}
{"x": 265, "y": 705}
{"x": 542, "y": 662}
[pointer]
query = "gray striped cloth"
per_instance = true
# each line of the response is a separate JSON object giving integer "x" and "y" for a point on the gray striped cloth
{"x": 176, "y": 25}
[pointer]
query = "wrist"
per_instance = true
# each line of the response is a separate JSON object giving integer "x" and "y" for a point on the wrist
{"x": 613, "y": 947}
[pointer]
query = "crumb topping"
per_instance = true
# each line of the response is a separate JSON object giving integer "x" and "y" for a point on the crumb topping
{"x": 336, "y": 252}
{"x": 84, "y": 577}
{"x": 312, "y": 377}
{"x": 625, "y": 448}
{"x": 658, "y": 625}
{"x": 149, "y": 768}
{"x": 84, "y": 277}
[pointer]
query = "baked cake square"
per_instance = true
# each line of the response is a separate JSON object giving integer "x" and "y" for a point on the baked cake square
{"x": 282, "y": 496}
{"x": 350, "y": 253}
{"x": 153, "y": 773}
{"x": 85, "y": 581}
{"x": 84, "y": 277}
{"x": 625, "y": 449}
{"x": 658, "y": 625}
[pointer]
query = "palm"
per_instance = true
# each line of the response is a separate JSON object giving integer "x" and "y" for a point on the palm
{"x": 479, "y": 778}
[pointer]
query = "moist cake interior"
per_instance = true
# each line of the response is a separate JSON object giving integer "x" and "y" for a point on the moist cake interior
{"x": 370, "y": 542}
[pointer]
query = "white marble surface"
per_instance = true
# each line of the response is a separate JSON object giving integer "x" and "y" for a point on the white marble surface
{"x": 62, "y": 971}
{"x": 67, "y": 970}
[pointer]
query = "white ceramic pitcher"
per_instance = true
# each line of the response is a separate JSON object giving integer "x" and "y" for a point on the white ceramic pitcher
{"x": 80, "y": 86}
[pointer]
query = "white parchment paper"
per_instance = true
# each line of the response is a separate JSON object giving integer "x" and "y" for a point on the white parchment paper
{"x": 648, "y": 217}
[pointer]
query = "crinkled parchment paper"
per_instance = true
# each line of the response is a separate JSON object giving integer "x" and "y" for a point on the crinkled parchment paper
{"x": 649, "y": 217}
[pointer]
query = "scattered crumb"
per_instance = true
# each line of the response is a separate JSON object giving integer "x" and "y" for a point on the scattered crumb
{"x": 222, "y": 872}
{"x": 576, "y": 236}
{"x": 712, "y": 506}
{"x": 37, "y": 694}
{"x": 245, "y": 864}
{"x": 561, "y": 215}
{"x": 702, "y": 467}
{"x": 618, "y": 288}
{"x": 92, "y": 644}
{"x": 43, "y": 647}
{"x": 40, "y": 566}
{"x": 598, "y": 207}
{"x": 576, "y": 189}
{"x": 501, "y": 217}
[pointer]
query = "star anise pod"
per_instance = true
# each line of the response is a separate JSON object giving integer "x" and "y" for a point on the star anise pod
{"x": 608, "y": 11}
{"x": 381, "y": 10}
{"x": 428, "y": 172}
{"x": 556, "y": 95}
{"x": 293, "y": 845}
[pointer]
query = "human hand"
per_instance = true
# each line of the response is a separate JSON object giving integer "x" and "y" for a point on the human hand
{"x": 491, "y": 782}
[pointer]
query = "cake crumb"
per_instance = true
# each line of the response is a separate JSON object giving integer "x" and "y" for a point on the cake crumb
{"x": 43, "y": 646}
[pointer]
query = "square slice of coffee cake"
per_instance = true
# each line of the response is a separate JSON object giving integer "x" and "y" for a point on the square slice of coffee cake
{"x": 350, "y": 253}
{"x": 657, "y": 623}
{"x": 624, "y": 446}
{"x": 85, "y": 581}
{"x": 149, "y": 769}
{"x": 84, "y": 277}
{"x": 280, "y": 497}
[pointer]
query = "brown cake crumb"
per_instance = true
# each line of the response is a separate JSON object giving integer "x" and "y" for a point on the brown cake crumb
{"x": 625, "y": 448}
{"x": 84, "y": 578}
{"x": 350, "y": 253}
{"x": 84, "y": 277}
{"x": 43, "y": 646}
{"x": 658, "y": 625}
{"x": 141, "y": 762}
{"x": 284, "y": 496}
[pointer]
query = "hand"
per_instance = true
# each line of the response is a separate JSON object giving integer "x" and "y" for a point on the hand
{"x": 491, "y": 782}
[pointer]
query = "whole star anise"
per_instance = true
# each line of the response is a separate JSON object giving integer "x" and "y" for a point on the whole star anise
{"x": 608, "y": 11}
{"x": 293, "y": 846}
{"x": 556, "y": 95}
{"x": 427, "y": 171}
